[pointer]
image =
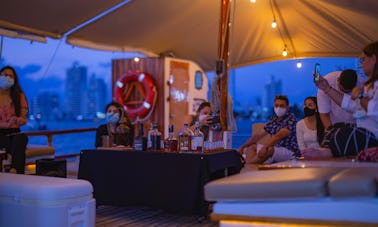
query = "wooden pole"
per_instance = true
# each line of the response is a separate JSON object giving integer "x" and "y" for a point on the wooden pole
{"x": 223, "y": 54}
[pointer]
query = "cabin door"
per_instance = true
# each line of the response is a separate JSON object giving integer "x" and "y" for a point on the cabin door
{"x": 178, "y": 93}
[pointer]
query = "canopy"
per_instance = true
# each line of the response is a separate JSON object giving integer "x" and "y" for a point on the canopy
{"x": 189, "y": 29}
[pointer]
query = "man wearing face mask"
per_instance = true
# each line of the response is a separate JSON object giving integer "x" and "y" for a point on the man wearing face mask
{"x": 118, "y": 127}
{"x": 330, "y": 112}
{"x": 282, "y": 145}
{"x": 13, "y": 114}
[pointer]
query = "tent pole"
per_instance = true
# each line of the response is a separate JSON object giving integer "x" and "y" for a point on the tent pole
{"x": 223, "y": 54}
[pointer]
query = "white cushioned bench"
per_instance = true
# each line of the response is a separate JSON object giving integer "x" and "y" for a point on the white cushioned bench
{"x": 337, "y": 195}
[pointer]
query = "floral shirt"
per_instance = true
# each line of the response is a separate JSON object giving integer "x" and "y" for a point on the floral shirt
{"x": 288, "y": 121}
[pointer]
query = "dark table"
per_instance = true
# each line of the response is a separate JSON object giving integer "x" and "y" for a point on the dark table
{"x": 169, "y": 181}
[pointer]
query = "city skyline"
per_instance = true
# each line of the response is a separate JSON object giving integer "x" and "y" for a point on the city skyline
{"x": 45, "y": 64}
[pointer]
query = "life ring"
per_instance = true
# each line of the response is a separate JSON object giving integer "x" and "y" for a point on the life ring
{"x": 139, "y": 110}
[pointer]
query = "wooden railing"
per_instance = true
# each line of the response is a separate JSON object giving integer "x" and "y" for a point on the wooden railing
{"x": 50, "y": 133}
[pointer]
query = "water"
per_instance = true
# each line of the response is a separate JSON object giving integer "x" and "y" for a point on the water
{"x": 74, "y": 143}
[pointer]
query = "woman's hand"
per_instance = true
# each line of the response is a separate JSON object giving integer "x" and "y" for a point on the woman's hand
{"x": 205, "y": 120}
{"x": 356, "y": 93}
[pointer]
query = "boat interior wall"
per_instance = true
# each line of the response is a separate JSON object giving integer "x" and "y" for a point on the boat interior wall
{"x": 175, "y": 81}
{"x": 155, "y": 68}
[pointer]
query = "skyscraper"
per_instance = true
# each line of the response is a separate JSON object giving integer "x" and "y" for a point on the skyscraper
{"x": 271, "y": 89}
{"x": 96, "y": 96}
{"x": 76, "y": 91}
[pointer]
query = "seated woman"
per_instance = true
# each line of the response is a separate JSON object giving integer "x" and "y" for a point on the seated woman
{"x": 13, "y": 111}
{"x": 118, "y": 127}
{"x": 310, "y": 131}
{"x": 203, "y": 116}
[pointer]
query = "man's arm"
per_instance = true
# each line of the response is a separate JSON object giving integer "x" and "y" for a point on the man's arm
{"x": 276, "y": 138}
{"x": 253, "y": 139}
{"x": 326, "y": 119}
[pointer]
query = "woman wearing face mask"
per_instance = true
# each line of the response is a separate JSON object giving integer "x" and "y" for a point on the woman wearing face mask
{"x": 118, "y": 127}
{"x": 310, "y": 131}
{"x": 282, "y": 145}
{"x": 13, "y": 114}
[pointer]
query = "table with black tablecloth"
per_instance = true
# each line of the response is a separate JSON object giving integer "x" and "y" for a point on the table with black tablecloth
{"x": 169, "y": 181}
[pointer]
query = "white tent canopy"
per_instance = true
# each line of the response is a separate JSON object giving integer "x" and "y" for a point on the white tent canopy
{"x": 189, "y": 29}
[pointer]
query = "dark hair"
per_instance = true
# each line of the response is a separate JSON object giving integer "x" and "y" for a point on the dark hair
{"x": 348, "y": 79}
{"x": 15, "y": 91}
{"x": 121, "y": 110}
{"x": 282, "y": 97}
{"x": 370, "y": 50}
{"x": 203, "y": 105}
{"x": 319, "y": 123}
{"x": 116, "y": 104}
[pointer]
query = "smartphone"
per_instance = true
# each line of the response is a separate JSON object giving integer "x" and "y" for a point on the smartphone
{"x": 317, "y": 72}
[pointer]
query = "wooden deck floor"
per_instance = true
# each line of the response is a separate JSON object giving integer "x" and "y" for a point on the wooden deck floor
{"x": 110, "y": 216}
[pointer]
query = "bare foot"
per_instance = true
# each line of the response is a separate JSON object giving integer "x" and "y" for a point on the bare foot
{"x": 251, "y": 154}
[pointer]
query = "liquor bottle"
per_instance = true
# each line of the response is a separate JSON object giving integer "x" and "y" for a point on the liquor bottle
{"x": 155, "y": 136}
{"x": 149, "y": 142}
{"x": 184, "y": 139}
{"x": 197, "y": 139}
{"x": 140, "y": 142}
{"x": 170, "y": 143}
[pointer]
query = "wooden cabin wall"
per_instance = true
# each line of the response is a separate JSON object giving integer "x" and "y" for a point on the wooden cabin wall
{"x": 155, "y": 68}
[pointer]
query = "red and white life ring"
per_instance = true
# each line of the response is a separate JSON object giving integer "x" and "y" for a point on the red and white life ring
{"x": 145, "y": 107}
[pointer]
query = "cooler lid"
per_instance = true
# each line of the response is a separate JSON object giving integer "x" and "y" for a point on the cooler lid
{"x": 30, "y": 187}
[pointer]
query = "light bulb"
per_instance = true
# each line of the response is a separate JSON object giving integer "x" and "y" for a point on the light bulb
{"x": 274, "y": 24}
{"x": 136, "y": 59}
{"x": 253, "y": 1}
{"x": 299, "y": 64}
{"x": 284, "y": 53}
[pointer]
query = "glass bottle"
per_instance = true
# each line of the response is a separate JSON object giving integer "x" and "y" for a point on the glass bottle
{"x": 197, "y": 139}
{"x": 155, "y": 137}
{"x": 149, "y": 142}
{"x": 170, "y": 143}
{"x": 184, "y": 139}
{"x": 140, "y": 142}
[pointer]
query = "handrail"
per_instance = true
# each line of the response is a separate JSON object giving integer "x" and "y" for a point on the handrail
{"x": 49, "y": 133}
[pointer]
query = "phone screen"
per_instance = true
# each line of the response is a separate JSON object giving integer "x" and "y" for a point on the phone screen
{"x": 317, "y": 72}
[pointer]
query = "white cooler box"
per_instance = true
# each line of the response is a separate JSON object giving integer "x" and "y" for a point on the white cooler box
{"x": 28, "y": 200}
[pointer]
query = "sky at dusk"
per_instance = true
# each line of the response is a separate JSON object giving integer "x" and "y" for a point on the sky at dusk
{"x": 49, "y": 61}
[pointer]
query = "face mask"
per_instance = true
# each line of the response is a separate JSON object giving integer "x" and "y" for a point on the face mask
{"x": 308, "y": 112}
{"x": 6, "y": 82}
{"x": 112, "y": 118}
{"x": 279, "y": 111}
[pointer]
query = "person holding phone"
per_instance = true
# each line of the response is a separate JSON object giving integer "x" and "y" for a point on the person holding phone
{"x": 330, "y": 112}
{"x": 203, "y": 116}
{"x": 362, "y": 103}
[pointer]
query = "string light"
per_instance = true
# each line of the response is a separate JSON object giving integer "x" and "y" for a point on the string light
{"x": 274, "y": 23}
{"x": 284, "y": 52}
{"x": 299, "y": 64}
